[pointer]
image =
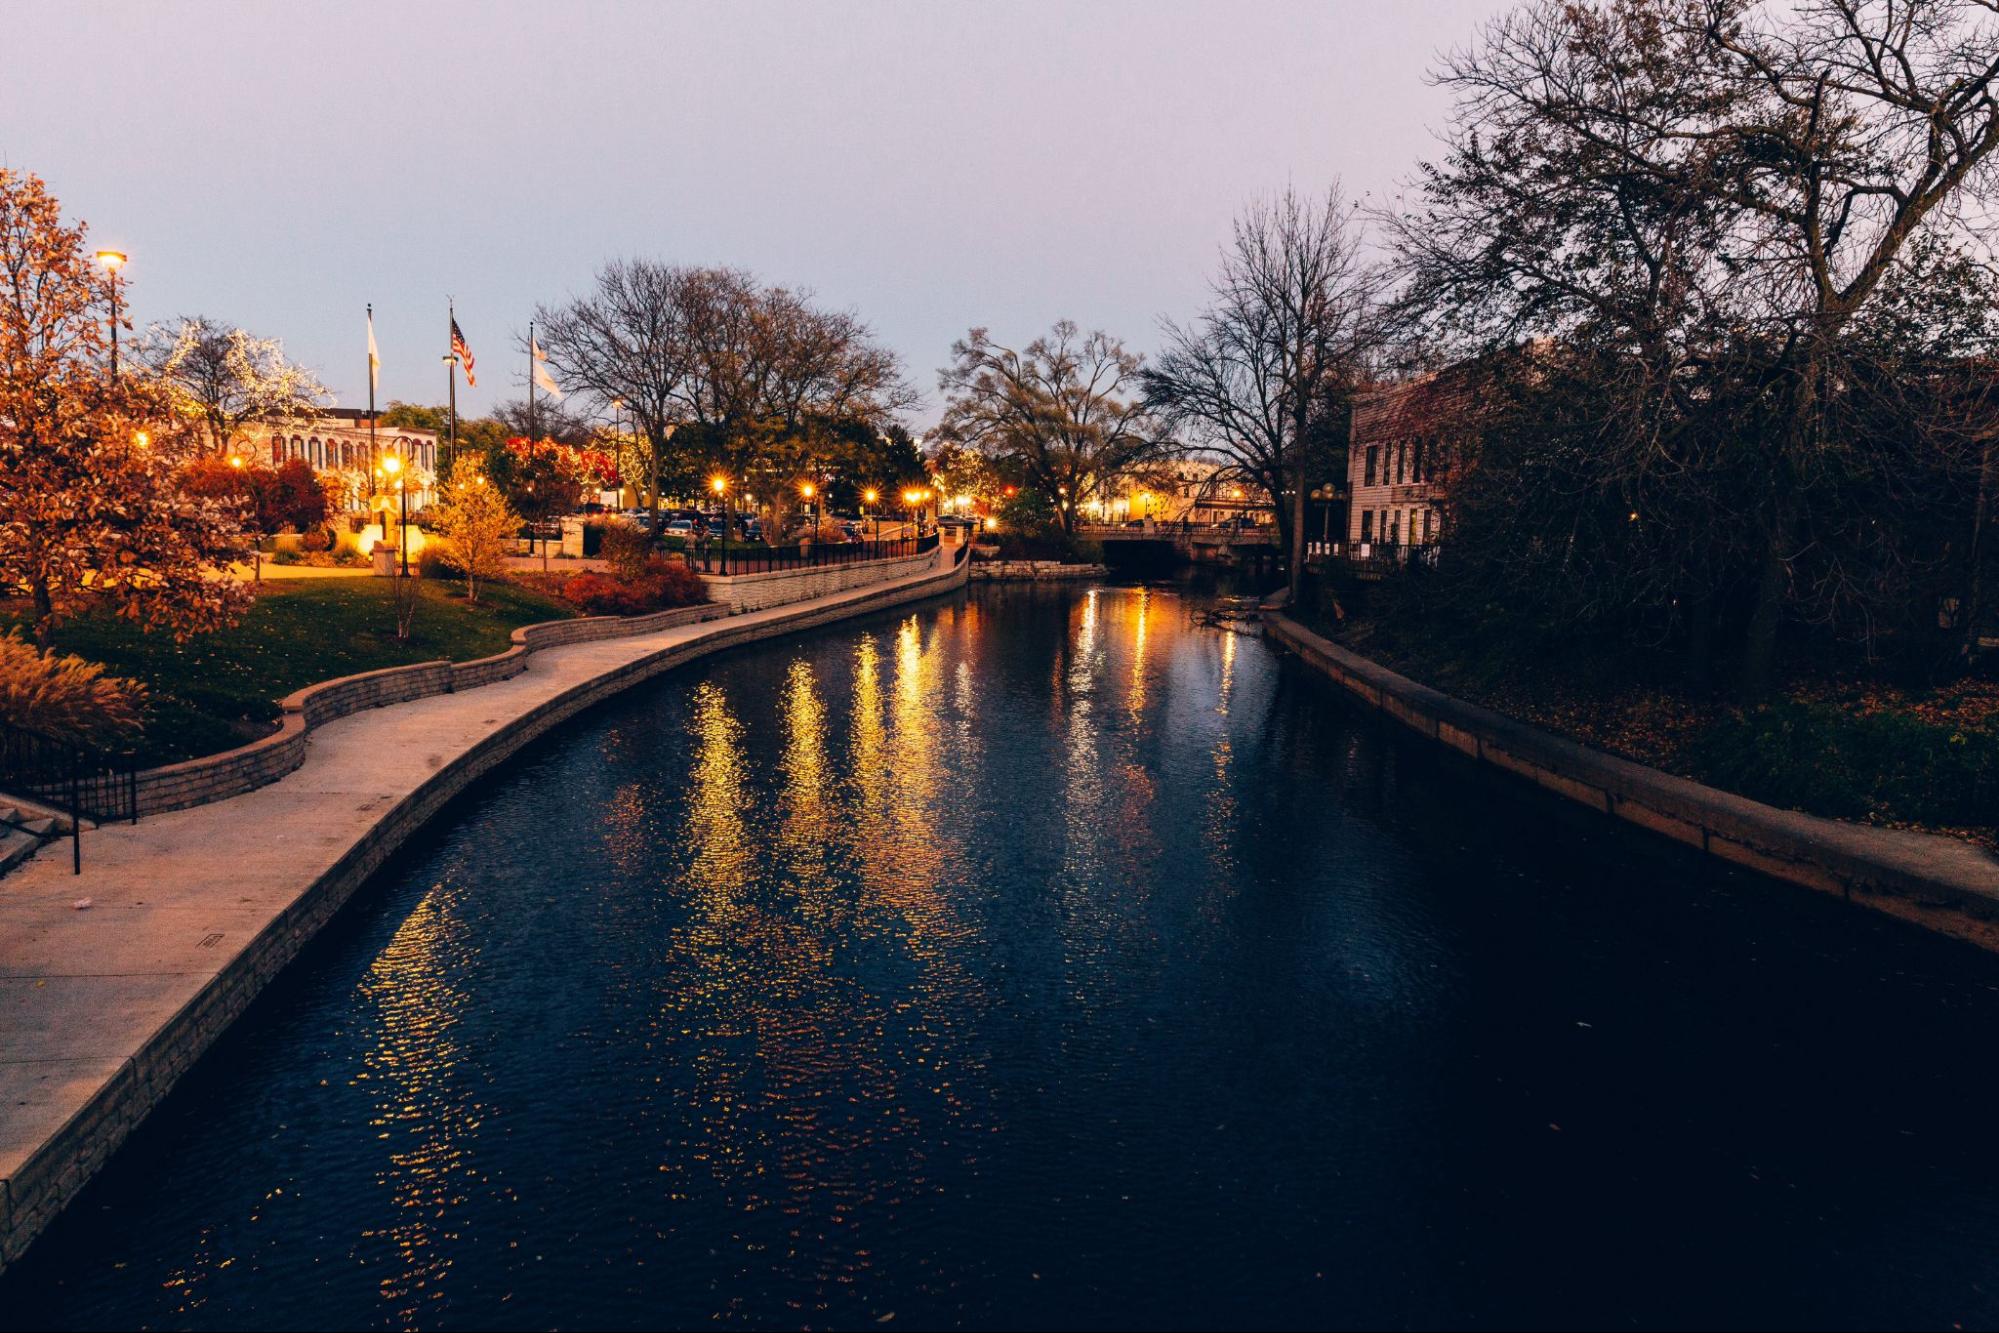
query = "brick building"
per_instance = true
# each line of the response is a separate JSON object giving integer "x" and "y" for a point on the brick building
{"x": 337, "y": 444}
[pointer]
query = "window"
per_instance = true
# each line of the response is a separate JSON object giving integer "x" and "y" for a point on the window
{"x": 1367, "y": 522}
{"x": 1416, "y": 463}
{"x": 1373, "y": 459}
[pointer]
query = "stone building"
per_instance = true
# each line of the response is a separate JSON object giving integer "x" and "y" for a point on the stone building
{"x": 1407, "y": 440}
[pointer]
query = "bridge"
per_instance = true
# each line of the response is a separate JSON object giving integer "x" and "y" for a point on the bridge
{"x": 1214, "y": 541}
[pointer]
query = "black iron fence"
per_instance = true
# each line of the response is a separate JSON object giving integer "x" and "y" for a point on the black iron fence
{"x": 82, "y": 781}
{"x": 710, "y": 558}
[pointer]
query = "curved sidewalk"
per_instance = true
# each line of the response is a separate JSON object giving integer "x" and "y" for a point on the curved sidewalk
{"x": 191, "y": 912}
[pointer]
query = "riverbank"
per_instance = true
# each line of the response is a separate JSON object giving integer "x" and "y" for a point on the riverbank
{"x": 113, "y": 982}
{"x": 1941, "y": 883}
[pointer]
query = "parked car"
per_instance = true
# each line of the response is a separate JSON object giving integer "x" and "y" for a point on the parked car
{"x": 957, "y": 521}
{"x": 680, "y": 527}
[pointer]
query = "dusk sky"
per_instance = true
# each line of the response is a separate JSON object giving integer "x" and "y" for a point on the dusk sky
{"x": 930, "y": 166}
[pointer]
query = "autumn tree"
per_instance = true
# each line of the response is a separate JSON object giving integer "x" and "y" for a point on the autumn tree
{"x": 1063, "y": 413}
{"x": 1262, "y": 380}
{"x": 91, "y": 510}
{"x": 219, "y": 378}
{"x": 478, "y": 525}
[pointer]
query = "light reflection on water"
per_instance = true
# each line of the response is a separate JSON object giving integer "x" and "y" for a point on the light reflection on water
{"x": 1049, "y": 957}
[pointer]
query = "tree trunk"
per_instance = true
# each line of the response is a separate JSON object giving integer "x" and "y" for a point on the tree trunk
{"x": 1759, "y": 650}
{"x": 1297, "y": 536}
{"x": 1981, "y": 547}
{"x": 45, "y": 612}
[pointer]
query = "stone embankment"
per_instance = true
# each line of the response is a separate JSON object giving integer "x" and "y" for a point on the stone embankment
{"x": 115, "y": 981}
{"x": 1937, "y": 882}
{"x": 1033, "y": 571}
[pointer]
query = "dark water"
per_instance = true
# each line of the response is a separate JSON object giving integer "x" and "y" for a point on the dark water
{"x": 1050, "y": 958}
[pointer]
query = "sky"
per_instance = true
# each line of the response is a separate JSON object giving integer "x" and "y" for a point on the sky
{"x": 930, "y": 166}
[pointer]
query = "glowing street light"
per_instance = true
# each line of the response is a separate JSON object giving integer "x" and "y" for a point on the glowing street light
{"x": 392, "y": 466}
{"x": 113, "y": 260}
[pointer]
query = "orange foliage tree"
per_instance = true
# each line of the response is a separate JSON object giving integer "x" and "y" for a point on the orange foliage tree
{"x": 91, "y": 512}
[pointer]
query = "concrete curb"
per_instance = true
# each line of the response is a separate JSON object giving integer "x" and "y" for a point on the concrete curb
{"x": 1939, "y": 883}
{"x": 49, "y": 1176}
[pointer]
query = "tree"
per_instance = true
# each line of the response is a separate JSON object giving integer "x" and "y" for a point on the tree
{"x": 1707, "y": 198}
{"x": 266, "y": 499}
{"x": 478, "y": 525}
{"x": 219, "y": 378}
{"x": 1263, "y": 379}
{"x": 91, "y": 512}
{"x": 718, "y": 371}
{"x": 1062, "y": 412}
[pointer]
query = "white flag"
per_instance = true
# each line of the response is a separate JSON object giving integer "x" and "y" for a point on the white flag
{"x": 542, "y": 379}
{"x": 374, "y": 357}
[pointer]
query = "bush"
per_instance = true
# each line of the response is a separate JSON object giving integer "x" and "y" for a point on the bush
{"x": 63, "y": 695}
{"x": 316, "y": 539}
{"x": 1883, "y": 765}
{"x": 436, "y": 561}
{"x": 660, "y": 584}
{"x": 285, "y": 555}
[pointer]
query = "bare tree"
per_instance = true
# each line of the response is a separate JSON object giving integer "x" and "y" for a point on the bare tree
{"x": 1711, "y": 193}
{"x": 220, "y": 378}
{"x": 1063, "y": 412}
{"x": 753, "y": 376}
{"x": 1267, "y": 371}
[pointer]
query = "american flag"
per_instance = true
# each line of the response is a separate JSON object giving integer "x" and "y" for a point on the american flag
{"x": 463, "y": 353}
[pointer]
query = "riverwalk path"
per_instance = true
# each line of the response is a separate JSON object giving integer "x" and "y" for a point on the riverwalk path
{"x": 114, "y": 981}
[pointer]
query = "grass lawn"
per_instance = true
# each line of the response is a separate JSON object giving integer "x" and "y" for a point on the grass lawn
{"x": 219, "y": 690}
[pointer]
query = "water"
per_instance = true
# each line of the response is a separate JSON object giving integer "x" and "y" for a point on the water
{"x": 1052, "y": 958}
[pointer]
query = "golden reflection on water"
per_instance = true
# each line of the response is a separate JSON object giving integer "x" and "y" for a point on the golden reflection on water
{"x": 425, "y": 1108}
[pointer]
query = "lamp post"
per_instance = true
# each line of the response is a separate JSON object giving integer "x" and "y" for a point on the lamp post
{"x": 113, "y": 260}
{"x": 393, "y": 466}
{"x": 868, "y": 498}
{"x": 720, "y": 485}
{"x": 808, "y": 490}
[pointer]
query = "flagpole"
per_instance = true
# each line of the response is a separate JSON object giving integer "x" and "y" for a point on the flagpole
{"x": 374, "y": 459}
{"x": 451, "y": 376}
{"x": 535, "y": 531}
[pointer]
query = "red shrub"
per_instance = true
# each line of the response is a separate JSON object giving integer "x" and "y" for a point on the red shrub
{"x": 664, "y": 583}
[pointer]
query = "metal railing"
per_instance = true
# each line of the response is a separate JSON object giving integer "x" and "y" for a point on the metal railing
{"x": 82, "y": 781}
{"x": 709, "y": 558}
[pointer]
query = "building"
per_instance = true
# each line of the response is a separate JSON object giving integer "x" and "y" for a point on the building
{"x": 1406, "y": 442}
{"x": 338, "y": 445}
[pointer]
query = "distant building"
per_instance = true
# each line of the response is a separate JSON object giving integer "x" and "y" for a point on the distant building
{"x": 337, "y": 444}
{"x": 1407, "y": 442}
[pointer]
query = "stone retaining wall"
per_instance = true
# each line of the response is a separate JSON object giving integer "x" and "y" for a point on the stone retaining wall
{"x": 52, "y": 1175}
{"x": 778, "y": 587}
{"x": 219, "y": 776}
{"x": 1033, "y": 571}
{"x": 1941, "y": 883}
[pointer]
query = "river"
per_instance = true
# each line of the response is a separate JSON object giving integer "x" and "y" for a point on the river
{"x": 1055, "y": 957}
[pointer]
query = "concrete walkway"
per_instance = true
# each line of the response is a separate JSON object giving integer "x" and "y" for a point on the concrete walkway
{"x": 190, "y": 913}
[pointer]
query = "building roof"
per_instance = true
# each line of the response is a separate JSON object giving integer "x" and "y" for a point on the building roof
{"x": 1425, "y": 405}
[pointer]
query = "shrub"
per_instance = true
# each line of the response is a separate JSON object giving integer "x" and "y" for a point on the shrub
{"x": 64, "y": 695}
{"x": 285, "y": 555}
{"x": 660, "y": 584}
{"x": 436, "y": 561}
{"x": 316, "y": 539}
{"x": 626, "y": 549}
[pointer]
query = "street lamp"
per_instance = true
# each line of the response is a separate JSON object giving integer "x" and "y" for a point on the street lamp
{"x": 720, "y": 485}
{"x": 113, "y": 260}
{"x": 868, "y": 498}
{"x": 393, "y": 466}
